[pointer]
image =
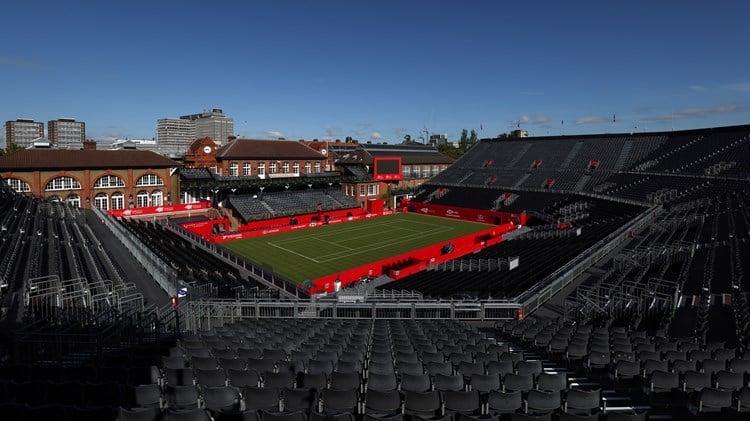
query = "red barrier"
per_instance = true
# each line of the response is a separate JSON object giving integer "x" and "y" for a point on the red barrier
{"x": 467, "y": 214}
{"x": 375, "y": 205}
{"x": 220, "y": 238}
{"x": 159, "y": 210}
{"x": 205, "y": 228}
{"x": 301, "y": 219}
{"x": 424, "y": 257}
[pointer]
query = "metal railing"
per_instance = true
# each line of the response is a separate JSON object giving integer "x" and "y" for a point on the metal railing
{"x": 559, "y": 279}
{"x": 208, "y": 314}
{"x": 258, "y": 273}
{"x": 162, "y": 273}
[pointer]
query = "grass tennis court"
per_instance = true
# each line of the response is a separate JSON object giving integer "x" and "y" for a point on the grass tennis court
{"x": 324, "y": 250}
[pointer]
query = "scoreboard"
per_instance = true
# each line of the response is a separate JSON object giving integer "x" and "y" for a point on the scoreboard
{"x": 387, "y": 169}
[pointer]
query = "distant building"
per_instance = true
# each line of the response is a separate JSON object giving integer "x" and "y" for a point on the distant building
{"x": 213, "y": 124}
{"x": 66, "y": 133}
{"x": 174, "y": 135}
{"x": 419, "y": 163}
{"x": 23, "y": 132}
{"x": 438, "y": 139}
{"x": 519, "y": 133}
{"x": 331, "y": 149}
{"x": 140, "y": 144}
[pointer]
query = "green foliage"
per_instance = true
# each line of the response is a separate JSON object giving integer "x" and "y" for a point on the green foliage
{"x": 463, "y": 141}
{"x": 10, "y": 149}
{"x": 468, "y": 140}
{"x": 449, "y": 150}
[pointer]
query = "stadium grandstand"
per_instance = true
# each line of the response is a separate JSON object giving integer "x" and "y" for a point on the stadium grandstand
{"x": 605, "y": 282}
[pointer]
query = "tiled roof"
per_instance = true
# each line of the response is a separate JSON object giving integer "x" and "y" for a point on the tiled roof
{"x": 267, "y": 149}
{"x": 409, "y": 155}
{"x": 54, "y": 159}
{"x": 195, "y": 174}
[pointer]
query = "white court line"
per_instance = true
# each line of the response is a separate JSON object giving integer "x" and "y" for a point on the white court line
{"x": 396, "y": 229}
{"x": 385, "y": 244}
{"x": 333, "y": 243}
{"x": 373, "y": 246}
{"x": 317, "y": 235}
{"x": 372, "y": 234}
{"x": 293, "y": 252}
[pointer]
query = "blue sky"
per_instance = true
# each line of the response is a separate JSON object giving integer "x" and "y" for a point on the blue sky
{"x": 377, "y": 70}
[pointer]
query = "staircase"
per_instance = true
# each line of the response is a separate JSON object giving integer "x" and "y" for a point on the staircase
{"x": 624, "y": 155}
{"x": 518, "y": 156}
{"x": 573, "y": 152}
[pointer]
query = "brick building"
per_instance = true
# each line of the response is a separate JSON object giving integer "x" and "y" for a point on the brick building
{"x": 331, "y": 149}
{"x": 107, "y": 179}
{"x": 419, "y": 163}
{"x": 253, "y": 157}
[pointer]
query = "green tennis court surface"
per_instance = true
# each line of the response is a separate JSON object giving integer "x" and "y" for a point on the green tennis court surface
{"x": 324, "y": 250}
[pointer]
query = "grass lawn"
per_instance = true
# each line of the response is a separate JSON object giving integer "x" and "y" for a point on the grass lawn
{"x": 324, "y": 250}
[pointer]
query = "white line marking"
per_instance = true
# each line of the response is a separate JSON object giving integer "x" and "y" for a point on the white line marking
{"x": 384, "y": 244}
{"x": 293, "y": 252}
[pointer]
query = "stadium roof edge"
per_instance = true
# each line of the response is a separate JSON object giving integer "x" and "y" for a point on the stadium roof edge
{"x": 622, "y": 134}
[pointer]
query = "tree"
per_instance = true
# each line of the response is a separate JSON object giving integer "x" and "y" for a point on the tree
{"x": 10, "y": 149}
{"x": 449, "y": 150}
{"x": 473, "y": 138}
{"x": 464, "y": 140}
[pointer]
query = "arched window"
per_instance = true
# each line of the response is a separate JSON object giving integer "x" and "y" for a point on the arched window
{"x": 74, "y": 200}
{"x": 63, "y": 183}
{"x": 149, "y": 180}
{"x": 117, "y": 200}
{"x": 109, "y": 181}
{"x": 317, "y": 167}
{"x": 19, "y": 186}
{"x": 285, "y": 168}
{"x": 157, "y": 198}
{"x": 233, "y": 168}
{"x": 53, "y": 198}
{"x": 142, "y": 199}
{"x": 246, "y": 169}
{"x": 295, "y": 168}
{"x": 261, "y": 168}
{"x": 101, "y": 201}
{"x": 308, "y": 168}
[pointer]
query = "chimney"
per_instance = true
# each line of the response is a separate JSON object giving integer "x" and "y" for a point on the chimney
{"x": 89, "y": 145}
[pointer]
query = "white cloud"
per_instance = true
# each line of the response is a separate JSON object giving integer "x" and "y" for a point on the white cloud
{"x": 688, "y": 113}
{"x": 274, "y": 134}
{"x": 361, "y": 128}
{"x": 738, "y": 87}
{"x": 531, "y": 119}
{"x": 331, "y": 131}
{"x": 591, "y": 120}
{"x": 376, "y": 135}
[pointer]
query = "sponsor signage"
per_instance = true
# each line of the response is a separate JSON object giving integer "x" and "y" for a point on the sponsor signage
{"x": 157, "y": 210}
